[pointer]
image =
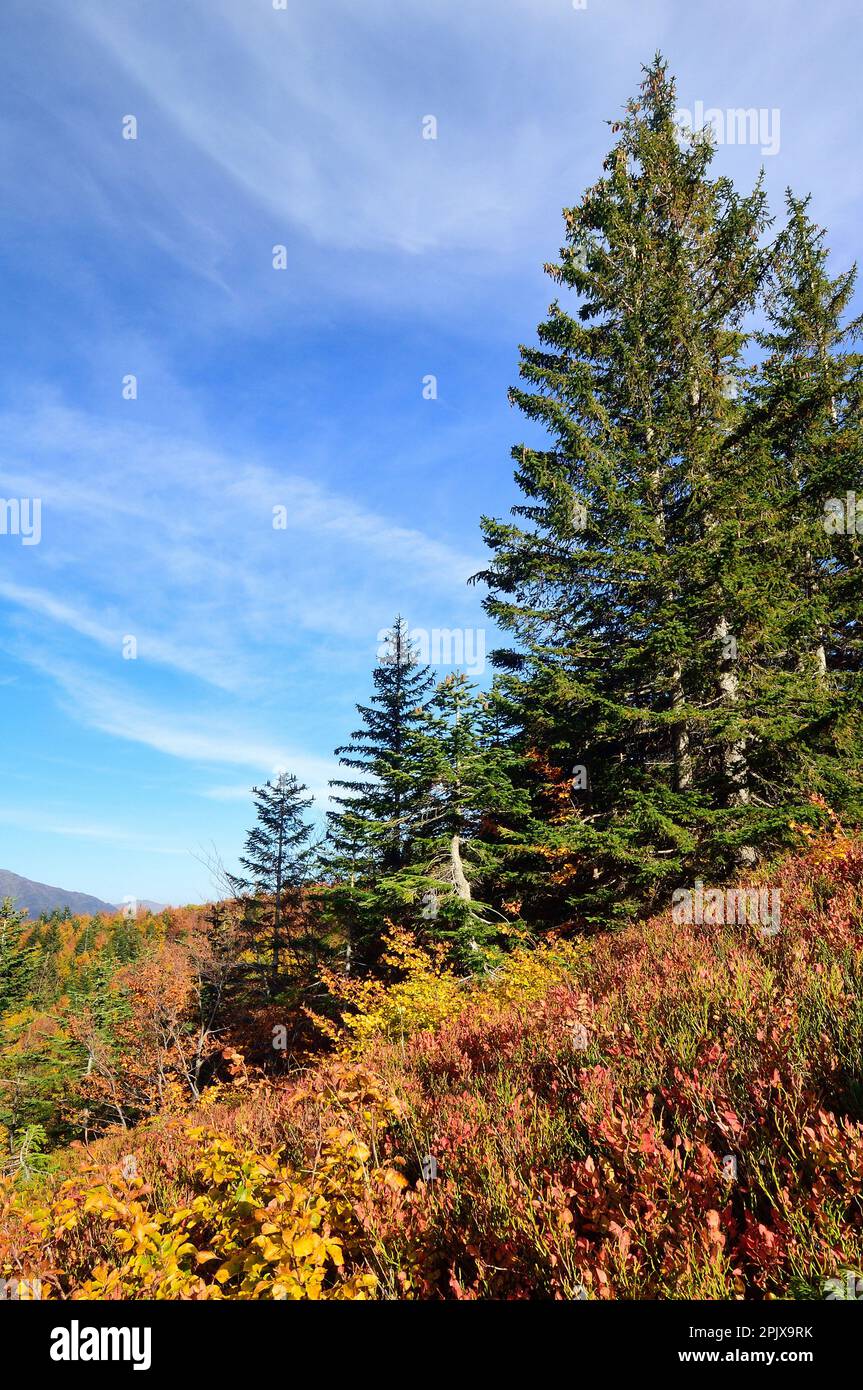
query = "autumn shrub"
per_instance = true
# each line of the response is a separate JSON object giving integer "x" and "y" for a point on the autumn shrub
{"x": 253, "y": 1226}
{"x": 669, "y": 1111}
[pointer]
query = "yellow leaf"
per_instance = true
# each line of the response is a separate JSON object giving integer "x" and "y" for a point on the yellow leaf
{"x": 305, "y": 1245}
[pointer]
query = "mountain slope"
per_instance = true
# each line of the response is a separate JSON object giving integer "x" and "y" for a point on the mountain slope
{"x": 670, "y": 1111}
{"x": 42, "y": 897}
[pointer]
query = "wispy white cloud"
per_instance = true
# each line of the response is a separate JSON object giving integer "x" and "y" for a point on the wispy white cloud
{"x": 185, "y": 556}
{"x": 59, "y": 612}
{"x": 314, "y": 773}
{"x": 149, "y": 646}
{"x": 310, "y": 130}
{"x": 199, "y": 738}
{"x": 318, "y": 131}
{"x": 194, "y": 739}
{"x": 47, "y": 823}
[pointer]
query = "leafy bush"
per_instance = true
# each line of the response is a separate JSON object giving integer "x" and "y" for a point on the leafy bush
{"x": 670, "y": 1111}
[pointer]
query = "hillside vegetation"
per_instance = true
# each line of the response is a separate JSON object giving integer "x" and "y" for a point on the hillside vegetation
{"x": 667, "y": 1112}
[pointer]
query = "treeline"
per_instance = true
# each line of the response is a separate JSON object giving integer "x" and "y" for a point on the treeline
{"x": 60, "y": 997}
{"x": 105, "y": 1021}
{"x": 424, "y": 831}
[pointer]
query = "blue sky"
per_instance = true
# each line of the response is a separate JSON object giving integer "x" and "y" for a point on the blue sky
{"x": 303, "y": 387}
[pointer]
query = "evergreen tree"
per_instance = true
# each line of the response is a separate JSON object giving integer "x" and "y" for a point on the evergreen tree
{"x": 471, "y": 804}
{"x": 278, "y": 859}
{"x": 804, "y": 401}
{"x": 96, "y": 992}
{"x": 38, "y": 1067}
{"x": 633, "y": 588}
{"x": 18, "y": 958}
{"x": 370, "y": 840}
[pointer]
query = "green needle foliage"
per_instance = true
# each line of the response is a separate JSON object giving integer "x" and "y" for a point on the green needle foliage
{"x": 371, "y": 828}
{"x": 277, "y": 862}
{"x": 684, "y": 631}
{"x": 471, "y": 810}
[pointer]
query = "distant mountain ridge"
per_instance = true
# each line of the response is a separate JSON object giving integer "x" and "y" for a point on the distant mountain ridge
{"x": 36, "y": 898}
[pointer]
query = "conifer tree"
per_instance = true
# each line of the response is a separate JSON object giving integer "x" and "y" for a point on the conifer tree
{"x": 623, "y": 575}
{"x": 18, "y": 958}
{"x": 371, "y": 829}
{"x": 471, "y": 800}
{"x": 804, "y": 400}
{"x": 277, "y": 860}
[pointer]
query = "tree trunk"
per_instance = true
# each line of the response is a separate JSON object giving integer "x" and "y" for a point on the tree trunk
{"x": 734, "y": 762}
{"x": 682, "y": 754}
{"x": 462, "y": 887}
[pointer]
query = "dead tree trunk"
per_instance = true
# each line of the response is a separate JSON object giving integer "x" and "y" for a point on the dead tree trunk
{"x": 734, "y": 762}
{"x": 462, "y": 887}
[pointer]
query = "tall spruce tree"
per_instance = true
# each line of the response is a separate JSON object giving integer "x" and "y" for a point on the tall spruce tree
{"x": 278, "y": 859}
{"x": 371, "y": 829}
{"x": 804, "y": 415}
{"x": 640, "y": 590}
